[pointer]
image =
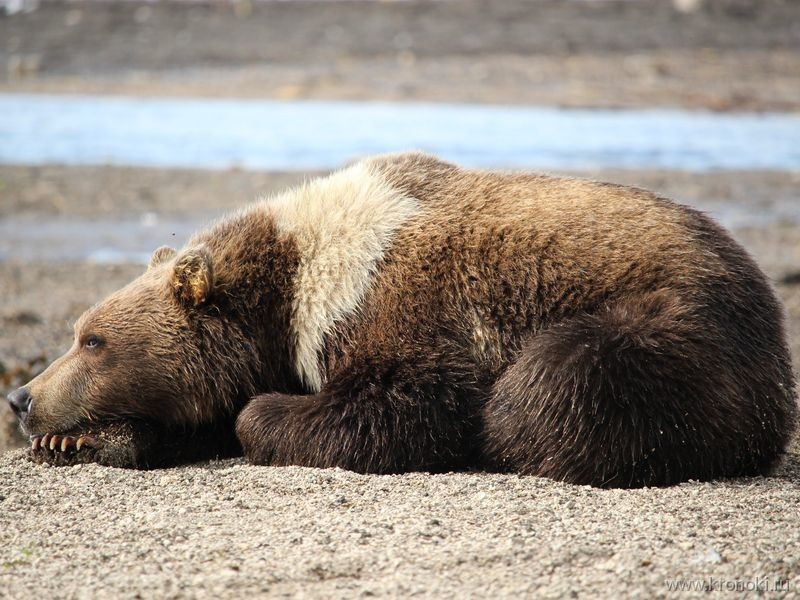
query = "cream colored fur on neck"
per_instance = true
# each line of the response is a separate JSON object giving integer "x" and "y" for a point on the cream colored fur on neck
{"x": 342, "y": 224}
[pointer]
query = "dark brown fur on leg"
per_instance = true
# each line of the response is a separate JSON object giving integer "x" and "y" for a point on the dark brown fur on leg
{"x": 363, "y": 426}
{"x": 640, "y": 393}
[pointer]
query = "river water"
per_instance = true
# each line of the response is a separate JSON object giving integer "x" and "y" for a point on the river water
{"x": 271, "y": 135}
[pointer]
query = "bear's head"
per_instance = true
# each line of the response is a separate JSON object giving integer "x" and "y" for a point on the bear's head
{"x": 156, "y": 350}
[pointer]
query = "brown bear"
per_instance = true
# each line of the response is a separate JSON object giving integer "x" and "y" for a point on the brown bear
{"x": 407, "y": 314}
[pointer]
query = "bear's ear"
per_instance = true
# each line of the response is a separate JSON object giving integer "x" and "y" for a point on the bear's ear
{"x": 193, "y": 276}
{"x": 161, "y": 255}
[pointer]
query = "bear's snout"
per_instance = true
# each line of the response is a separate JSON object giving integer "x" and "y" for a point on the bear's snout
{"x": 20, "y": 401}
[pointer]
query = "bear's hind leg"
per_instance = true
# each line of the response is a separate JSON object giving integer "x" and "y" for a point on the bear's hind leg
{"x": 639, "y": 393}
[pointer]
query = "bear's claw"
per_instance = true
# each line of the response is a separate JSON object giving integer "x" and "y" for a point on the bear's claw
{"x": 56, "y": 442}
{"x": 87, "y": 441}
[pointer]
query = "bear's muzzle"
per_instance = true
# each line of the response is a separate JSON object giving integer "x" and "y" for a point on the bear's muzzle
{"x": 20, "y": 401}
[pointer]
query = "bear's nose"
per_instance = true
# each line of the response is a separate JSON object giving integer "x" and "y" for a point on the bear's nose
{"x": 20, "y": 401}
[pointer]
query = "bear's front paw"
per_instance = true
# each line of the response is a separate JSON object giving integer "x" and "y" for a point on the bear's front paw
{"x": 119, "y": 444}
{"x": 64, "y": 450}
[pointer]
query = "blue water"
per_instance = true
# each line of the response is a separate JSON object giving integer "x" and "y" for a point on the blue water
{"x": 218, "y": 134}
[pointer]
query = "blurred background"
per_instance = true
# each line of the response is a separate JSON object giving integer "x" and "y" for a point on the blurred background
{"x": 125, "y": 125}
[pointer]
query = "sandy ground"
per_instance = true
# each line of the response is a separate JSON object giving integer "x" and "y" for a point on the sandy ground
{"x": 727, "y": 54}
{"x": 232, "y": 530}
{"x": 224, "y": 529}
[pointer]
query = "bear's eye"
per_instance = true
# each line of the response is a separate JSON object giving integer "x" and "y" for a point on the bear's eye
{"x": 92, "y": 342}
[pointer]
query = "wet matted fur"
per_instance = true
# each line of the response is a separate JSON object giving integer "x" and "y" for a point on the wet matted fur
{"x": 407, "y": 314}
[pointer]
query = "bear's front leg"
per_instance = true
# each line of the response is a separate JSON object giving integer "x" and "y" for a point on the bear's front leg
{"x": 136, "y": 445}
{"x": 363, "y": 427}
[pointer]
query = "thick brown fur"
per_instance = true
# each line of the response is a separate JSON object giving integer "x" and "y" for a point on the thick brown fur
{"x": 586, "y": 332}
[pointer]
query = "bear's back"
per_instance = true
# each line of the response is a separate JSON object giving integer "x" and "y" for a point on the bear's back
{"x": 535, "y": 246}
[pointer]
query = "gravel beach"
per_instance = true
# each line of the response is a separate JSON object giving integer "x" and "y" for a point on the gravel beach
{"x": 712, "y": 54}
{"x": 230, "y": 529}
